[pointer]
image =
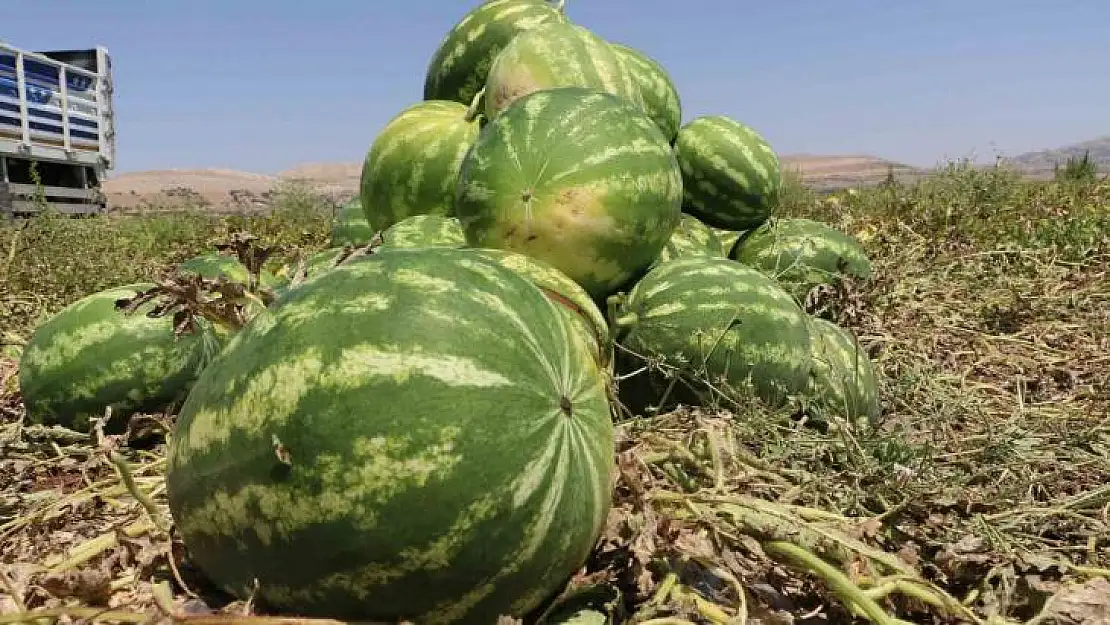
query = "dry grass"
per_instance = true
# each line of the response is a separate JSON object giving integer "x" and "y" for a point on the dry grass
{"x": 984, "y": 497}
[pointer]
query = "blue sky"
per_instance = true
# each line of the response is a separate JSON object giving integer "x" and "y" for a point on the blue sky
{"x": 264, "y": 85}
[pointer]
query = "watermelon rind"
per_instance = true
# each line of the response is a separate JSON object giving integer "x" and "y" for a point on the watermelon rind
{"x": 724, "y": 330}
{"x": 577, "y": 178}
{"x": 554, "y": 55}
{"x": 413, "y": 163}
{"x": 657, "y": 89}
{"x": 422, "y": 231}
{"x": 844, "y": 381}
{"x": 460, "y": 65}
{"x": 89, "y": 357}
{"x": 802, "y": 254}
{"x": 415, "y": 435}
{"x": 350, "y": 226}
{"x": 571, "y": 298}
{"x": 691, "y": 238}
{"x": 731, "y": 176}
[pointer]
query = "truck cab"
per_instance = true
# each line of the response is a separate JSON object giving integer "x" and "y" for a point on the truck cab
{"x": 57, "y": 130}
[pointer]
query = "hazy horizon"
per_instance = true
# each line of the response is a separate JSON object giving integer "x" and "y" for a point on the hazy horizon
{"x": 267, "y": 86}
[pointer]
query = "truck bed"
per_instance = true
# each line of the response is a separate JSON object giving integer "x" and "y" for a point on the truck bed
{"x": 65, "y": 111}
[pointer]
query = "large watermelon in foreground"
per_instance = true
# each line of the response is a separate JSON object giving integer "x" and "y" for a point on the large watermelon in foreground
{"x": 461, "y": 63}
{"x": 90, "y": 356}
{"x": 802, "y": 253}
{"x": 731, "y": 177}
{"x": 577, "y": 178}
{"x": 716, "y": 322}
{"x": 553, "y": 55}
{"x": 413, "y": 164}
{"x": 414, "y": 435}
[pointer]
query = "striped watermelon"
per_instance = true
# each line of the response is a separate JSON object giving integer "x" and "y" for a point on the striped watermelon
{"x": 802, "y": 254}
{"x": 556, "y": 54}
{"x": 414, "y": 435}
{"x": 574, "y": 177}
{"x": 413, "y": 164}
{"x": 90, "y": 356}
{"x": 728, "y": 239}
{"x": 350, "y": 226}
{"x": 573, "y": 301}
{"x": 731, "y": 176}
{"x": 460, "y": 65}
{"x": 212, "y": 266}
{"x": 423, "y": 231}
{"x": 844, "y": 381}
{"x": 691, "y": 238}
{"x": 716, "y": 321}
{"x": 659, "y": 94}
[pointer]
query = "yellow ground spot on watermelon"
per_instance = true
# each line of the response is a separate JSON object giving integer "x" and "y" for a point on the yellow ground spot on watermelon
{"x": 348, "y": 489}
{"x": 511, "y": 84}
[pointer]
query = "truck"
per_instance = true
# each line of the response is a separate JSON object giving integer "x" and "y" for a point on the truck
{"x": 57, "y": 130}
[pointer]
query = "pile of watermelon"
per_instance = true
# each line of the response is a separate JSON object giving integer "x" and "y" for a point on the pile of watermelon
{"x": 420, "y": 425}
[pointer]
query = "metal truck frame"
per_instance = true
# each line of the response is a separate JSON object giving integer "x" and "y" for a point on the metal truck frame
{"x": 57, "y": 130}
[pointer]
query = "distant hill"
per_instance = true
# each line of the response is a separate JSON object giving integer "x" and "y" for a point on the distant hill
{"x": 1041, "y": 163}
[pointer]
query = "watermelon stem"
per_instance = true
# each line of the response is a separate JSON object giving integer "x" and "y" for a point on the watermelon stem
{"x": 475, "y": 105}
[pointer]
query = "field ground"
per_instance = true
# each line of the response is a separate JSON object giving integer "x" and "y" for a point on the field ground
{"x": 983, "y": 497}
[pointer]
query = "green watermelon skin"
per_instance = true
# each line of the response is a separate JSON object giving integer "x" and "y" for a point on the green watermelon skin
{"x": 88, "y": 357}
{"x": 657, "y": 90}
{"x": 572, "y": 299}
{"x": 576, "y": 178}
{"x": 731, "y": 177}
{"x": 350, "y": 226}
{"x": 728, "y": 239}
{"x": 423, "y": 231}
{"x": 691, "y": 238}
{"x": 213, "y": 266}
{"x": 844, "y": 381}
{"x": 460, "y": 65}
{"x": 719, "y": 321}
{"x": 412, "y": 166}
{"x": 553, "y": 55}
{"x": 802, "y": 253}
{"x": 446, "y": 430}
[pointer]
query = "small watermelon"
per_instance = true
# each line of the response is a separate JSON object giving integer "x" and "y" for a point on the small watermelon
{"x": 413, "y": 164}
{"x": 802, "y": 253}
{"x": 731, "y": 177}
{"x": 844, "y": 383}
{"x": 692, "y": 238}
{"x": 90, "y": 356}
{"x": 350, "y": 226}
{"x": 460, "y": 65}
{"x": 719, "y": 324}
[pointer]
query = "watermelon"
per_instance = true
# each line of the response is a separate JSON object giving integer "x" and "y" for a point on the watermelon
{"x": 423, "y": 231}
{"x": 460, "y": 65}
{"x": 414, "y": 435}
{"x": 89, "y": 356}
{"x": 350, "y": 226}
{"x": 844, "y": 381}
{"x": 691, "y": 238}
{"x": 728, "y": 238}
{"x": 657, "y": 90}
{"x": 573, "y": 300}
{"x": 213, "y": 266}
{"x": 802, "y": 253}
{"x": 556, "y": 54}
{"x": 731, "y": 177}
{"x": 715, "y": 321}
{"x": 413, "y": 164}
{"x": 577, "y": 178}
